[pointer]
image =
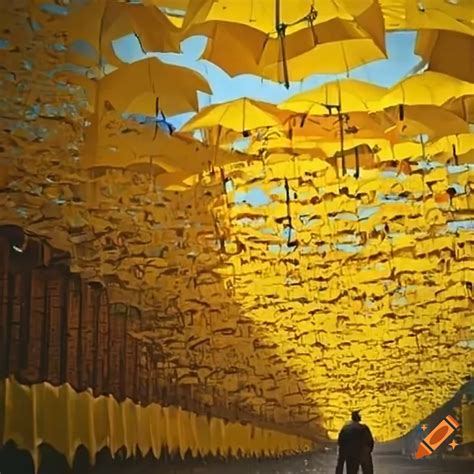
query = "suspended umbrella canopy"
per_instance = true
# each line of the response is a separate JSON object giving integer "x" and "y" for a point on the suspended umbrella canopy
{"x": 121, "y": 143}
{"x": 303, "y": 144}
{"x": 462, "y": 142}
{"x": 267, "y": 48}
{"x": 429, "y": 88}
{"x": 445, "y": 32}
{"x": 428, "y": 15}
{"x": 150, "y": 86}
{"x": 356, "y": 125}
{"x": 332, "y": 47}
{"x": 103, "y": 21}
{"x": 448, "y": 52}
{"x": 455, "y": 148}
{"x": 172, "y": 4}
{"x": 347, "y": 95}
{"x": 241, "y": 115}
{"x": 327, "y": 58}
{"x": 263, "y": 15}
{"x": 435, "y": 122}
{"x": 462, "y": 107}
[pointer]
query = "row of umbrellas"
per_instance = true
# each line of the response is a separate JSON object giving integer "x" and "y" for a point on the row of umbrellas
{"x": 267, "y": 38}
{"x": 276, "y": 41}
{"x": 430, "y": 104}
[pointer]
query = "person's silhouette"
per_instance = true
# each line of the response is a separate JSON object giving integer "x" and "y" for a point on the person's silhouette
{"x": 355, "y": 447}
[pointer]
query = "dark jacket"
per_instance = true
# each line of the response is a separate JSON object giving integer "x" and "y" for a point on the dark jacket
{"x": 355, "y": 441}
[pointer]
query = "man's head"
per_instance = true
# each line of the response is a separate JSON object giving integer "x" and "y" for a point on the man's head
{"x": 355, "y": 415}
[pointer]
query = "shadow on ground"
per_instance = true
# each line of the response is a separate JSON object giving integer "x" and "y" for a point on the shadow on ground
{"x": 14, "y": 461}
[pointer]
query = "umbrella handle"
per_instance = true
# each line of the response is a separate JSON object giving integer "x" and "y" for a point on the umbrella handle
{"x": 157, "y": 112}
{"x": 455, "y": 155}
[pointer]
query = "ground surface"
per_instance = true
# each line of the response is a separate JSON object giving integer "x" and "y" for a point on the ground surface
{"x": 13, "y": 461}
{"x": 316, "y": 464}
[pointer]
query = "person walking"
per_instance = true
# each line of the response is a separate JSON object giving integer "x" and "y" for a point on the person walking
{"x": 356, "y": 444}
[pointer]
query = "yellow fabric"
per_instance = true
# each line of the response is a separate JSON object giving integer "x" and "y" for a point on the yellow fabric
{"x": 173, "y": 86}
{"x": 108, "y": 20}
{"x": 97, "y": 422}
{"x": 435, "y": 122}
{"x": 261, "y": 13}
{"x": 350, "y": 94}
{"x": 428, "y": 14}
{"x": 371, "y": 282}
{"x": 344, "y": 36}
{"x": 429, "y": 88}
{"x": 239, "y": 115}
{"x": 143, "y": 149}
{"x": 436, "y": 48}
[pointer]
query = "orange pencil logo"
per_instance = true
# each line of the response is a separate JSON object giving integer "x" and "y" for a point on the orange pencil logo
{"x": 437, "y": 436}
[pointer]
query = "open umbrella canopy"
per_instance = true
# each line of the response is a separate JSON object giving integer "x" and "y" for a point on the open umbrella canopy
{"x": 108, "y": 20}
{"x": 157, "y": 86}
{"x": 428, "y": 15}
{"x": 448, "y": 52}
{"x": 241, "y": 115}
{"x": 264, "y": 15}
{"x": 331, "y": 43}
{"x": 435, "y": 122}
{"x": 332, "y": 47}
{"x": 260, "y": 14}
{"x": 119, "y": 143}
{"x": 445, "y": 32}
{"x": 348, "y": 95}
{"x": 429, "y": 88}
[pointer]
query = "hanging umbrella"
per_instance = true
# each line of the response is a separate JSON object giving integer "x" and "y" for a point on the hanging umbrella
{"x": 268, "y": 48}
{"x": 241, "y": 115}
{"x": 462, "y": 107}
{"x": 263, "y": 15}
{"x": 119, "y": 143}
{"x": 445, "y": 32}
{"x": 150, "y": 86}
{"x": 458, "y": 149}
{"x": 429, "y": 88}
{"x": 172, "y": 4}
{"x": 340, "y": 99}
{"x": 427, "y": 15}
{"x": 435, "y": 122}
{"x": 447, "y": 52}
{"x": 101, "y": 22}
{"x": 355, "y": 125}
{"x": 347, "y": 95}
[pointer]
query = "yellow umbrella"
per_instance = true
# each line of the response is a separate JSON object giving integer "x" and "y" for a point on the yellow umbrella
{"x": 445, "y": 32}
{"x": 149, "y": 86}
{"x": 241, "y": 115}
{"x": 347, "y": 95}
{"x": 428, "y": 15}
{"x": 172, "y": 4}
{"x": 120, "y": 143}
{"x": 456, "y": 148}
{"x": 333, "y": 47}
{"x": 462, "y": 107}
{"x": 260, "y": 14}
{"x": 429, "y": 88}
{"x": 435, "y": 122}
{"x": 347, "y": 101}
{"x": 337, "y": 39}
{"x": 448, "y": 52}
{"x": 108, "y": 20}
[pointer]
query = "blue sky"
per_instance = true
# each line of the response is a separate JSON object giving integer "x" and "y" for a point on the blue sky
{"x": 401, "y": 60}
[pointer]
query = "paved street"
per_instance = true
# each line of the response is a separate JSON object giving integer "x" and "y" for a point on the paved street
{"x": 316, "y": 464}
{"x": 13, "y": 461}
